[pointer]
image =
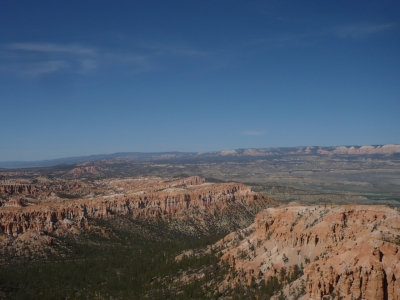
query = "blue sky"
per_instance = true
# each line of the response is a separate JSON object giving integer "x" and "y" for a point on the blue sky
{"x": 93, "y": 77}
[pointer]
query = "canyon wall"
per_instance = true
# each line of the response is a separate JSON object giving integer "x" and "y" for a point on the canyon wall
{"x": 12, "y": 188}
{"x": 140, "y": 200}
{"x": 350, "y": 252}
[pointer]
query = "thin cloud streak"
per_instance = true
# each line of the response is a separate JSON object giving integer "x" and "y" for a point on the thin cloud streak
{"x": 34, "y": 69}
{"x": 32, "y": 59}
{"x": 37, "y": 59}
{"x": 174, "y": 50}
{"x": 42, "y": 68}
{"x": 52, "y": 48}
{"x": 361, "y": 30}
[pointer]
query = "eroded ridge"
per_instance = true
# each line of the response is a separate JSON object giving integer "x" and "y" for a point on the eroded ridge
{"x": 136, "y": 197}
{"x": 346, "y": 251}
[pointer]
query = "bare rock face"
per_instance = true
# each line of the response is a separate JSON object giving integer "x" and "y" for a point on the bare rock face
{"x": 13, "y": 188}
{"x": 350, "y": 252}
{"x": 139, "y": 198}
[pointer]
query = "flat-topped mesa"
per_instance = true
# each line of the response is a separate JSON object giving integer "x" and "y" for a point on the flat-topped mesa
{"x": 363, "y": 150}
{"x": 175, "y": 198}
{"x": 352, "y": 251}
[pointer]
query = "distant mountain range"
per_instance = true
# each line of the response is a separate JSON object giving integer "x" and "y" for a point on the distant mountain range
{"x": 390, "y": 149}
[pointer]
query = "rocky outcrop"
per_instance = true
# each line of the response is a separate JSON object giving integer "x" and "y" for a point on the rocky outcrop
{"x": 139, "y": 198}
{"x": 12, "y": 203}
{"x": 12, "y": 188}
{"x": 348, "y": 251}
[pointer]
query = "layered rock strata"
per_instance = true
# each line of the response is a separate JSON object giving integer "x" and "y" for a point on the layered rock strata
{"x": 348, "y": 252}
{"x": 12, "y": 188}
{"x": 139, "y": 198}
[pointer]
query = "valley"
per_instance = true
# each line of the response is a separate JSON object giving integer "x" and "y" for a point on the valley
{"x": 232, "y": 226}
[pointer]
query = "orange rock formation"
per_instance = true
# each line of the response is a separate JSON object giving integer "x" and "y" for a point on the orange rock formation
{"x": 12, "y": 188}
{"x": 144, "y": 197}
{"x": 348, "y": 251}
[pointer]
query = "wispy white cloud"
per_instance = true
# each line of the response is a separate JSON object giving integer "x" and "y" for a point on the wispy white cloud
{"x": 88, "y": 64}
{"x": 52, "y": 48}
{"x": 361, "y": 30}
{"x": 176, "y": 49}
{"x": 135, "y": 63}
{"x": 36, "y": 59}
{"x": 160, "y": 46}
{"x": 252, "y": 132}
{"x": 41, "y": 68}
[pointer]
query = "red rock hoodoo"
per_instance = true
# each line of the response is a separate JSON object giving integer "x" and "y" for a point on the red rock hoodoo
{"x": 348, "y": 251}
{"x": 144, "y": 197}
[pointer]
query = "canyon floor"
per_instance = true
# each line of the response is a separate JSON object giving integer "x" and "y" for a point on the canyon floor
{"x": 284, "y": 227}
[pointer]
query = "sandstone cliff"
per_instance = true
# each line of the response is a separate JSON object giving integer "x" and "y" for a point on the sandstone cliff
{"x": 11, "y": 188}
{"x": 136, "y": 197}
{"x": 348, "y": 252}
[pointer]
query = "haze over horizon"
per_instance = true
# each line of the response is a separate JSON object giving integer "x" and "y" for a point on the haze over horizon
{"x": 83, "y": 78}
